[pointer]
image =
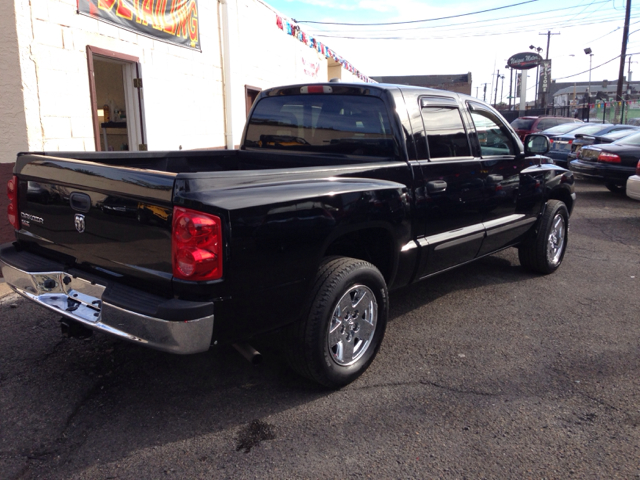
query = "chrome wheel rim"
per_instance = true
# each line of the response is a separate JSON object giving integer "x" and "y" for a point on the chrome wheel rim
{"x": 352, "y": 326}
{"x": 555, "y": 242}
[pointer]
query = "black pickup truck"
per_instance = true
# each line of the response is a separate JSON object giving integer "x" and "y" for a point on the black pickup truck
{"x": 339, "y": 193}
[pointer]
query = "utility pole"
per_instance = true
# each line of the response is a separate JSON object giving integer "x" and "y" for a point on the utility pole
{"x": 510, "y": 87}
{"x": 629, "y": 77}
{"x": 623, "y": 53}
{"x": 484, "y": 93}
{"x": 548, "y": 34}
{"x": 495, "y": 101}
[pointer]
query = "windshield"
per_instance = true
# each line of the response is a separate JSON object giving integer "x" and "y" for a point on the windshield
{"x": 629, "y": 140}
{"x": 523, "y": 123}
{"x": 344, "y": 124}
{"x": 564, "y": 128}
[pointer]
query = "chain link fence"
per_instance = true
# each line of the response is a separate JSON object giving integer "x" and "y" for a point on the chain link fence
{"x": 627, "y": 112}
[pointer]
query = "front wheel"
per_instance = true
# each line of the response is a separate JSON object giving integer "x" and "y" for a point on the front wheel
{"x": 544, "y": 252}
{"x": 344, "y": 324}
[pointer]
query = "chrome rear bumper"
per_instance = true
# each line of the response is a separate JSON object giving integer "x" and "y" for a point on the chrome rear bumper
{"x": 81, "y": 300}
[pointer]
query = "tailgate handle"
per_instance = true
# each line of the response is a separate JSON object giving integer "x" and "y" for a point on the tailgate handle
{"x": 80, "y": 201}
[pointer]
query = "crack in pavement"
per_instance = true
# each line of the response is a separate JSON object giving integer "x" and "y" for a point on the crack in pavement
{"x": 457, "y": 390}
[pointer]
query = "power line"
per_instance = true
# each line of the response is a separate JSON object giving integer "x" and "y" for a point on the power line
{"x": 455, "y": 33}
{"x": 601, "y": 65}
{"x": 614, "y": 30}
{"x": 460, "y": 24}
{"x": 531, "y": 26}
{"x": 417, "y": 21}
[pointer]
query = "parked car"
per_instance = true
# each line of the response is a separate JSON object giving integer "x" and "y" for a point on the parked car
{"x": 527, "y": 125}
{"x": 633, "y": 184}
{"x": 561, "y": 129}
{"x": 338, "y": 194}
{"x": 581, "y": 139}
{"x": 561, "y": 145}
{"x": 611, "y": 164}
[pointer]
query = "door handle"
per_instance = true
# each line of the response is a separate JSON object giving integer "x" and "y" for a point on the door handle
{"x": 436, "y": 186}
{"x": 493, "y": 179}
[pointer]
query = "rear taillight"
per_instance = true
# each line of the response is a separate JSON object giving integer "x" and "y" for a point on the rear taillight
{"x": 608, "y": 158}
{"x": 196, "y": 245}
{"x": 638, "y": 168}
{"x": 12, "y": 208}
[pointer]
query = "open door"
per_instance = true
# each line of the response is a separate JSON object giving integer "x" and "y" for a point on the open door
{"x": 250, "y": 95}
{"x": 116, "y": 101}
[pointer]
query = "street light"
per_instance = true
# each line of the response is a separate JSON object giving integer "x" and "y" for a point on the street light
{"x": 510, "y": 83}
{"x": 588, "y": 51}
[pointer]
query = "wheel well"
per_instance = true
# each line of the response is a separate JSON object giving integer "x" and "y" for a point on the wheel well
{"x": 564, "y": 196}
{"x": 374, "y": 245}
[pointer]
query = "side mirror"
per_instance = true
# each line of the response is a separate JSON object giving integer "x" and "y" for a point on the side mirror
{"x": 536, "y": 145}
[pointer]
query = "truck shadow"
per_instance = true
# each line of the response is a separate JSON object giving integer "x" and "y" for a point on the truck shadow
{"x": 492, "y": 270}
{"x": 107, "y": 399}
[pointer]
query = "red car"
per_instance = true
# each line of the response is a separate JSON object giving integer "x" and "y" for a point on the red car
{"x": 527, "y": 125}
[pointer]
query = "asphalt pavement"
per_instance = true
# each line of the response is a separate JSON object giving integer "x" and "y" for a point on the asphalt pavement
{"x": 485, "y": 372}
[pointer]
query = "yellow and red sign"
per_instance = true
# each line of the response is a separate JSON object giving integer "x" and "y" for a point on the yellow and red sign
{"x": 174, "y": 21}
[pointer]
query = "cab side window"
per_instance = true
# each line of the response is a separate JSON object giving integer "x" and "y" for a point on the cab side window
{"x": 492, "y": 135}
{"x": 446, "y": 136}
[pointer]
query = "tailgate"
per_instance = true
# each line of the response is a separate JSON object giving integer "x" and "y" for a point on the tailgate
{"x": 112, "y": 221}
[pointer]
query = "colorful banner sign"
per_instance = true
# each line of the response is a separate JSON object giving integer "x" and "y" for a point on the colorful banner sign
{"x": 174, "y": 21}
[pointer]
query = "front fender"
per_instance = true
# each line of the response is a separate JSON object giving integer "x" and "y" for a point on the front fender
{"x": 540, "y": 183}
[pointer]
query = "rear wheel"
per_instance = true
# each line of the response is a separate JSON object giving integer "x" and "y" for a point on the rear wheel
{"x": 544, "y": 252}
{"x": 344, "y": 323}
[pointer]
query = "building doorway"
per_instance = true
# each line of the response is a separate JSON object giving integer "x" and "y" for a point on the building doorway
{"x": 250, "y": 95}
{"x": 116, "y": 101}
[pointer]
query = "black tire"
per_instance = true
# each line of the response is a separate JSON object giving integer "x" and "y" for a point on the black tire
{"x": 614, "y": 188}
{"x": 308, "y": 349}
{"x": 544, "y": 252}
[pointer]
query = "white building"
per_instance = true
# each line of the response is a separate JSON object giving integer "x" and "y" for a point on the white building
{"x": 107, "y": 75}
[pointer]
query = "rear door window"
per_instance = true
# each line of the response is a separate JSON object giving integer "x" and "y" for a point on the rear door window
{"x": 343, "y": 124}
{"x": 446, "y": 135}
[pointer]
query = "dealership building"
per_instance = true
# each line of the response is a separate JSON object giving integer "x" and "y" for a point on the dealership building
{"x": 85, "y": 75}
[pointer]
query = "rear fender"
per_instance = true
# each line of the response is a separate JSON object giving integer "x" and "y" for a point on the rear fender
{"x": 278, "y": 244}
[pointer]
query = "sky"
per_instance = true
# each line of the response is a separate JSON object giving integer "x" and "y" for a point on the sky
{"x": 478, "y": 37}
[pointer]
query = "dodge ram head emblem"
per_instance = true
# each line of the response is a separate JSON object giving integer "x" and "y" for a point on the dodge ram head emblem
{"x": 79, "y": 222}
